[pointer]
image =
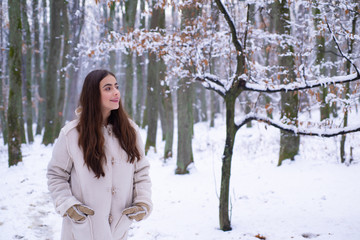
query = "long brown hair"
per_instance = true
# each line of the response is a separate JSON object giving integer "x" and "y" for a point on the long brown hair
{"x": 91, "y": 138}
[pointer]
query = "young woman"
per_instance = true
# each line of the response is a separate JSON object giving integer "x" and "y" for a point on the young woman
{"x": 98, "y": 176}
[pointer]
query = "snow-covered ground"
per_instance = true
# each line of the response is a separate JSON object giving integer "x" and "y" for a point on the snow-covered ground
{"x": 312, "y": 197}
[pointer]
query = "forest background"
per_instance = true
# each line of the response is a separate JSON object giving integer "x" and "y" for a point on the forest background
{"x": 280, "y": 62}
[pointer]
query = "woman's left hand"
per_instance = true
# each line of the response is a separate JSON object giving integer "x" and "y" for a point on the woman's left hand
{"x": 137, "y": 212}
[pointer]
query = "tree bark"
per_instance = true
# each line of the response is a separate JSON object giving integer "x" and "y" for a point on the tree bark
{"x": 3, "y": 96}
{"x": 76, "y": 25}
{"x": 168, "y": 112}
{"x": 320, "y": 58}
{"x": 28, "y": 67}
{"x": 152, "y": 102}
{"x": 42, "y": 83}
{"x": 15, "y": 92}
{"x": 140, "y": 70}
{"x": 169, "y": 118}
{"x": 289, "y": 143}
{"x": 185, "y": 111}
{"x": 139, "y": 89}
{"x": 37, "y": 65}
{"x": 59, "y": 120}
{"x": 231, "y": 130}
{"x": 347, "y": 87}
{"x": 110, "y": 24}
{"x": 52, "y": 71}
{"x": 185, "y": 126}
{"x": 129, "y": 23}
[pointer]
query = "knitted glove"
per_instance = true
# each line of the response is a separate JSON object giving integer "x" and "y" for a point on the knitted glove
{"x": 79, "y": 212}
{"x": 137, "y": 212}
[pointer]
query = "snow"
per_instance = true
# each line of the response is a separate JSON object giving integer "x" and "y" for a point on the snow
{"x": 312, "y": 197}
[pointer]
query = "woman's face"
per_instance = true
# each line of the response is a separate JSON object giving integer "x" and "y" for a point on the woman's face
{"x": 109, "y": 94}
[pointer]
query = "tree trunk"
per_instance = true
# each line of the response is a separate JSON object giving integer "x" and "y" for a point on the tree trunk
{"x": 169, "y": 118}
{"x": 320, "y": 58}
{"x": 110, "y": 24}
{"x": 333, "y": 72}
{"x": 185, "y": 95}
{"x": 213, "y": 64}
{"x": 3, "y": 97}
{"x": 129, "y": 23}
{"x": 140, "y": 70}
{"x": 15, "y": 95}
{"x": 28, "y": 67}
{"x": 225, "y": 223}
{"x": 140, "y": 96}
{"x": 345, "y": 123}
{"x": 162, "y": 111}
{"x": 76, "y": 24}
{"x": 200, "y": 108}
{"x": 140, "y": 89}
{"x": 59, "y": 120}
{"x": 152, "y": 102}
{"x": 289, "y": 143}
{"x": 185, "y": 126}
{"x": 42, "y": 83}
{"x": 248, "y": 108}
{"x": 168, "y": 112}
{"x": 347, "y": 88}
{"x": 37, "y": 64}
{"x": 129, "y": 83}
{"x": 52, "y": 70}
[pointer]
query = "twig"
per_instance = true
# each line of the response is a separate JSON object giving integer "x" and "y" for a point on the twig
{"x": 338, "y": 47}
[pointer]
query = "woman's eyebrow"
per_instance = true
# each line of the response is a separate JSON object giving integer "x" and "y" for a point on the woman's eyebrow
{"x": 108, "y": 85}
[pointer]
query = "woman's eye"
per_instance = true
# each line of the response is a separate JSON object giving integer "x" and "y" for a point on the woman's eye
{"x": 116, "y": 87}
{"x": 107, "y": 89}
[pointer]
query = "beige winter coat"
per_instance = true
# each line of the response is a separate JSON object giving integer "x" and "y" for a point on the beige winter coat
{"x": 71, "y": 182}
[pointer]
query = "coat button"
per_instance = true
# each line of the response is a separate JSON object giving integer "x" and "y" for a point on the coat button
{"x": 113, "y": 191}
{"x": 110, "y": 219}
{"x": 112, "y": 161}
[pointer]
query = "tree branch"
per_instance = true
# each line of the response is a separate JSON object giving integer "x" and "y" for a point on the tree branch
{"x": 231, "y": 24}
{"x": 212, "y": 82}
{"x": 300, "y": 86}
{"x": 338, "y": 47}
{"x": 330, "y": 132}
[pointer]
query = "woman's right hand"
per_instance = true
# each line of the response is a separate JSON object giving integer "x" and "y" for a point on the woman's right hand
{"x": 79, "y": 212}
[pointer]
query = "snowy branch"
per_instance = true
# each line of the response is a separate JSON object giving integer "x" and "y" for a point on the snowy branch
{"x": 301, "y": 86}
{"x": 326, "y": 132}
{"x": 212, "y": 82}
{"x": 231, "y": 24}
{"x": 338, "y": 47}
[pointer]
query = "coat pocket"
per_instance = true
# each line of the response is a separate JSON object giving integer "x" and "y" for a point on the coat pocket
{"x": 82, "y": 230}
{"x": 121, "y": 228}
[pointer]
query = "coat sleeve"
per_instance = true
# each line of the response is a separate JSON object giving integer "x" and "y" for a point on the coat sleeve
{"x": 142, "y": 182}
{"x": 58, "y": 175}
